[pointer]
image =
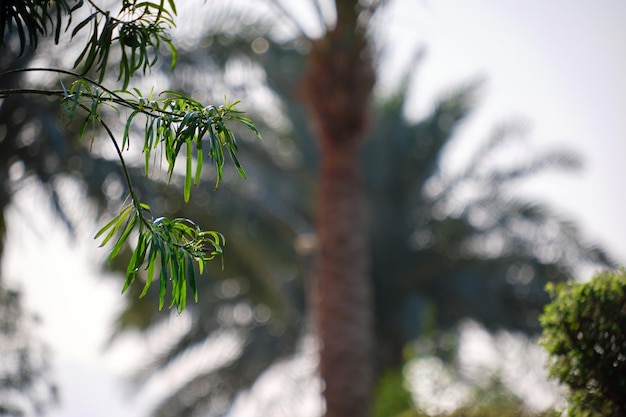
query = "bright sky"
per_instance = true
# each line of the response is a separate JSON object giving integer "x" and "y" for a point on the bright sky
{"x": 559, "y": 65}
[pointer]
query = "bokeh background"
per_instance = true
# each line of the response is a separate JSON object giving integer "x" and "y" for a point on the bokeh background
{"x": 551, "y": 73}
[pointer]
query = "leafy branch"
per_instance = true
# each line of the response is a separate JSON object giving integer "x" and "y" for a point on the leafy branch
{"x": 174, "y": 245}
{"x": 140, "y": 28}
{"x": 172, "y": 121}
{"x": 33, "y": 18}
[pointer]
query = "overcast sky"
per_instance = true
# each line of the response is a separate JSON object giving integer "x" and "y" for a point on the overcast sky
{"x": 559, "y": 64}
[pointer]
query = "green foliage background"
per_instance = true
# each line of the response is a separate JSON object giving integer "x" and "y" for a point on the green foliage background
{"x": 431, "y": 258}
{"x": 584, "y": 331}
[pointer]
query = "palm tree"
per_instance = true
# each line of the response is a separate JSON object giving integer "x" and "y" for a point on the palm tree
{"x": 425, "y": 254}
{"x": 451, "y": 245}
{"x": 442, "y": 246}
{"x": 338, "y": 61}
{"x": 337, "y": 89}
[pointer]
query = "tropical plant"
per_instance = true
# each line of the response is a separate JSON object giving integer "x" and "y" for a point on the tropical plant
{"x": 471, "y": 246}
{"x": 440, "y": 250}
{"x": 33, "y": 146}
{"x": 584, "y": 331}
{"x": 358, "y": 359}
{"x": 337, "y": 90}
{"x": 171, "y": 121}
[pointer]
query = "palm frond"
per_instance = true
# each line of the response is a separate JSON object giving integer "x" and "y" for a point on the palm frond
{"x": 556, "y": 160}
{"x": 213, "y": 393}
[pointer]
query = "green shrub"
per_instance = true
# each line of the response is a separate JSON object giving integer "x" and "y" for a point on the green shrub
{"x": 393, "y": 399}
{"x": 584, "y": 331}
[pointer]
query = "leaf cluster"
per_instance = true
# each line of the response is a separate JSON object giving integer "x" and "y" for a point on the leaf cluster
{"x": 172, "y": 121}
{"x": 140, "y": 28}
{"x": 32, "y": 19}
{"x": 584, "y": 331}
{"x": 173, "y": 245}
{"x": 170, "y": 251}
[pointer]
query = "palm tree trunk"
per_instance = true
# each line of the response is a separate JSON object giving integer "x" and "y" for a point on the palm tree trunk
{"x": 336, "y": 89}
{"x": 342, "y": 304}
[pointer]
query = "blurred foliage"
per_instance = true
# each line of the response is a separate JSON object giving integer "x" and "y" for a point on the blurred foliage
{"x": 33, "y": 147}
{"x": 25, "y": 385}
{"x": 445, "y": 245}
{"x": 584, "y": 331}
{"x": 393, "y": 399}
{"x": 497, "y": 409}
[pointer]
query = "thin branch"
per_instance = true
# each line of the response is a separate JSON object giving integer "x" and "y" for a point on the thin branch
{"x": 4, "y": 93}
{"x": 115, "y": 98}
{"x": 96, "y": 7}
{"x": 121, "y": 158}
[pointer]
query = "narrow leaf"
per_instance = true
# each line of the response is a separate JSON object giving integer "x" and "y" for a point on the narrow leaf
{"x": 120, "y": 243}
{"x": 188, "y": 176}
{"x": 151, "y": 264}
{"x": 114, "y": 225}
{"x": 192, "y": 278}
{"x": 83, "y": 24}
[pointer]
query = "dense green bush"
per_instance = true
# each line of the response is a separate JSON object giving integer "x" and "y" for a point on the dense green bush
{"x": 584, "y": 331}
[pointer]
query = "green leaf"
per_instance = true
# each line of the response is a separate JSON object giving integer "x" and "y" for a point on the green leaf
{"x": 91, "y": 49}
{"x": 126, "y": 137}
{"x": 120, "y": 243}
{"x": 151, "y": 264}
{"x": 236, "y": 162}
{"x": 163, "y": 275}
{"x": 218, "y": 156}
{"x": 182, "y": 302}
{"x": 174, "y": 53}
{"x": 114, "y": 225}
{"x": 248, "y": 123}
{"x": 76, "y": 97}
{"x": 82, "y": 25}
{"x": 199, "y": 157}
{"x": 138, "y": 256}
{"x": 192, "y": 278}
{"x": 188, "y": 176}
{"x": 172, "y": 5}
